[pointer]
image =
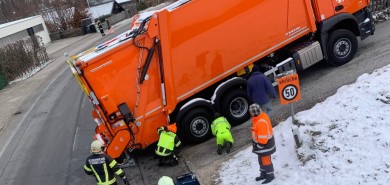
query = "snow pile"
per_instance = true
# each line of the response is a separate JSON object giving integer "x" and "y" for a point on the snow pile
{"x": 346, "y": 140}
{"x": 381, "y": 16}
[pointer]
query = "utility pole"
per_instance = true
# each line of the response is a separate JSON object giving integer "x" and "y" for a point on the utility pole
{"x": 89, "y": 8}
{"x": 89, "y": 11}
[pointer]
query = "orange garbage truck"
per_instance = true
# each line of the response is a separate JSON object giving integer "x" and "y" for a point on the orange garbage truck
{"x": 192, "y": 58}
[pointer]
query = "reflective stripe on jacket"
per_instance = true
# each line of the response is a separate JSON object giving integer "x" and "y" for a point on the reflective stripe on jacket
{"x": 220, "y": 125}
{"x": 262, "y": 135}
{"x": 167, "y": 143}
{"x": 104, "y": 168}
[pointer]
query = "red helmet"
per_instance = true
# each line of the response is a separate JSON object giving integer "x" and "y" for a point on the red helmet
{"x": 172, "y": 128}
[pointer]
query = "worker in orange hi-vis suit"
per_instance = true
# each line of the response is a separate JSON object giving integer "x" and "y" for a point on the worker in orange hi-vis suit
{"x": 263, "y": 142}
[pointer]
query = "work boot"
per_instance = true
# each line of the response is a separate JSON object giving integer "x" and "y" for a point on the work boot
{"x": 173, "y": 162}
{"x": 228, "y": 147}
{"x": 269, "y": 178}
{"x": 219, "y": 150}
{"x": 261, "y": 177}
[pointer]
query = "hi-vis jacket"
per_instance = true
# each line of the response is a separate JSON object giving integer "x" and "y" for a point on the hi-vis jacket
{"x": 262, "y": 135}
{"x": 103, "y": 167}
{"x": 220, "y": 124}
{"x": 167, "y": 142}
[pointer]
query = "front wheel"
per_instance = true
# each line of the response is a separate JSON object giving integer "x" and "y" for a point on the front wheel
{"x": 195, "y": 125}
{"x": 342, "y": 47}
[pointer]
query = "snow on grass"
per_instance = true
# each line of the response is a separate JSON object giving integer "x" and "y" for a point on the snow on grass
{"x": 346, "y": 140}
{"x": 31, "y": 72}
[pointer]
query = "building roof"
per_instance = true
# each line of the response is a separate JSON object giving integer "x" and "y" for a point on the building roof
{"x": 17, "y": 21}
{"x": 102, "y": 9}
{"x": 123, "y": 1}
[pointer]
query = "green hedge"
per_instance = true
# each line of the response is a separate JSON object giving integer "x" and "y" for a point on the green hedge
{"x": 3, "y": 81}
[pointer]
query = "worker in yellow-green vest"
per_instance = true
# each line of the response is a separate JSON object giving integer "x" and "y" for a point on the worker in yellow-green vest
{"x": 102, "y": 166}
{"x": 167, "y": 146}
{"x": 221, "y": 129}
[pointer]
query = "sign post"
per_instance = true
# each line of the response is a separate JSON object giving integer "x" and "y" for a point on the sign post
{"x": 289, "y": 92}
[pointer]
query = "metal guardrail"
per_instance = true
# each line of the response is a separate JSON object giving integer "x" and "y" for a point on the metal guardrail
{"x": 378, "y": 5}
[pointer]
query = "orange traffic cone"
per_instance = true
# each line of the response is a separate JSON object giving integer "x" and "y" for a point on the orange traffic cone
{"x": 111, "y": 31}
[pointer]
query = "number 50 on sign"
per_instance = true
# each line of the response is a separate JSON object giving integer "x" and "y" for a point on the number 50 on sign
{"x": 289, "y": 89}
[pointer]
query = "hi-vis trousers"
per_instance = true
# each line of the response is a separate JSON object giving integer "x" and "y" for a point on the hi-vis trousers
{"x": 266, "y": 164}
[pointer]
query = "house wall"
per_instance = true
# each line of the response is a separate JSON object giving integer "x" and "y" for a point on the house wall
{"x": 17, "y": 30}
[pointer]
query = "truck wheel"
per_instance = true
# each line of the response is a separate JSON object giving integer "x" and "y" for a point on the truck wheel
{"x": 342, "y": 47}
{"x": 235, "y": 107}
{"x": 195, "y": 125}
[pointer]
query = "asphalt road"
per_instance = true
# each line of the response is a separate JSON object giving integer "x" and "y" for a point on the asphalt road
{"x": 49, "y": 140}
{"x": 53, "y": 134}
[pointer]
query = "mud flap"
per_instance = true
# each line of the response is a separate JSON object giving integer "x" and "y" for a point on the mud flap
{"x": 366, "y": 23}
{"x": 118, "y": 144}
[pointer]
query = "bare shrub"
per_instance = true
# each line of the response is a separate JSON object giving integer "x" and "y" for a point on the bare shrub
{"x": 63, "y": 15}
{"x": 22, "y": 57}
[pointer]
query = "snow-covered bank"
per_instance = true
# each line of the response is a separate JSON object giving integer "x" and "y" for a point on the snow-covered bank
{"x": 346, "y": 140}
{"x": 31, "y": 72}
{"x": 381, "y": 16}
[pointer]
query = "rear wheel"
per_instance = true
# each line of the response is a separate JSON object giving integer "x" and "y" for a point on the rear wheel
{"x": 235, "y": 107}
{"x": 195, "y": 125}
{"x": 342, "y": 47}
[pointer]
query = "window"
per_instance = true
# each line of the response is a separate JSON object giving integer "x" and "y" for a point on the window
{"x": 38, "y": 28}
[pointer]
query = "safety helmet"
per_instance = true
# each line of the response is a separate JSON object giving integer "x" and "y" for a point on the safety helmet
{"x": 96, "y": 147}
{"x": 254, "y": 109}
{"x": 172, "y": 128}
{"x": 165, "y": 180}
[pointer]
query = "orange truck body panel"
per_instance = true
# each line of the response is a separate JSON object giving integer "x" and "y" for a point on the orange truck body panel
{"x": 202, "y": 43}
{"x": 202, "y": 46}
{"x": 326, "y": 9}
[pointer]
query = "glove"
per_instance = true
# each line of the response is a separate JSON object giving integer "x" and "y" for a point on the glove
{"x": 160, "y": 129}
{"x": 125, "y": 181}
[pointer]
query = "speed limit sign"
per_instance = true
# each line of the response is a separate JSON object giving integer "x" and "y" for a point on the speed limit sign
{"x": 289, "y": 89}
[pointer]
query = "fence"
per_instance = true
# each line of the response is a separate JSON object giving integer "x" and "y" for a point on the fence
{"x": 115, "y": 18}
{"x": 66, "y": 34}
{"x": 123, "y": 15}
{"x": 378, "y": 5}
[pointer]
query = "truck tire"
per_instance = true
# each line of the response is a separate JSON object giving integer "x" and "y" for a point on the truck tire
{"x": 234, "y": 107}
{"x": 342, "y": 47}
{"x": 195, "y": 125}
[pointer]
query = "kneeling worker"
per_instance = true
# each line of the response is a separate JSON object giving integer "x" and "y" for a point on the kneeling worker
{"x": 102, "y": 166}
{"x": 221, "y": 129}
{"x": 167, "y": 145}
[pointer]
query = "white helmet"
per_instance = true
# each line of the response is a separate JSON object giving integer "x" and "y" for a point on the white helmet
{"x": 165, "y": 180}
{"x": 96, "y": 147}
